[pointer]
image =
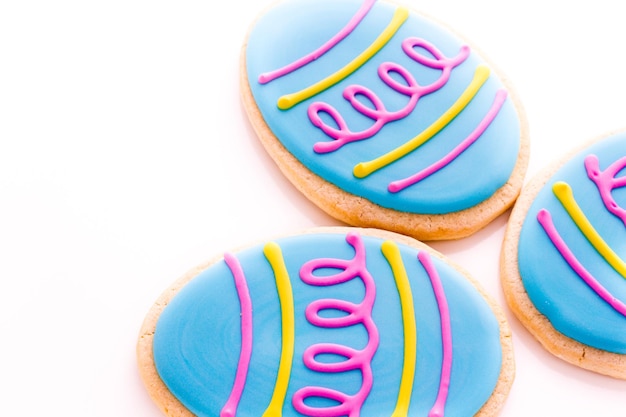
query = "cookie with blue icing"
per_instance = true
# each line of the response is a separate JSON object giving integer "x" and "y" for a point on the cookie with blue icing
{"x": 563, "y": 258}
{"x": 383, "y": 117}
{"x": 331, "y": 322}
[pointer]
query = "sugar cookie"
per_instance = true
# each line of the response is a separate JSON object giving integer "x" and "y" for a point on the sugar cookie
{"x": 563, "y": 268}
{"x": 383, "y": 117}
{"x": 331, "y": 322}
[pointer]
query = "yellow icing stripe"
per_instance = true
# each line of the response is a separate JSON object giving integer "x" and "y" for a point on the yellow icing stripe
{"x": 481, "y": 75}
{"x": 392, "y": 254}
{"x": 283, "y": 284}
{"x": 565, "y": 195}
{"x": 288, "y": 101}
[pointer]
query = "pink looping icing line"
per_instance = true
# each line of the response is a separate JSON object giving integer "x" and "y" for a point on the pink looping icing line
{"x": 545, "y": 219}
{"x": 375, "y": 109}
{"x": 400, "y": 185}
{"x": 327, "y": 46}
{"x": 230, "y": 408}
{"x": 438, "y": 408}
{"x": 361, "y": 313}
{"x": 607, "y": 181}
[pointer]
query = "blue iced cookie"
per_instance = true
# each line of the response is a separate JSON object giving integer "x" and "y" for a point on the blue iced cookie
{"x": 383, "y": 117}
{"x": 563, "y": 263}
{"x": 332, "y": 322}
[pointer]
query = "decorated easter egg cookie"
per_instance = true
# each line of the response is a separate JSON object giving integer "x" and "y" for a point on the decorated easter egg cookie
{"x": 564, "y": 257}
{"x": 332, "y": 322}
{"x": 383, "y": 117}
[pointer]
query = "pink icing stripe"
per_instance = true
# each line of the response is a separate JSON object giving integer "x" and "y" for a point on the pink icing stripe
{"x": 348, "y": 405}
{"x": 545, "y": 219}
{"x": 299, "y": 63}
{"x": 230, "y": 408}
{"x": 499, "y": 100}
{"x": 437, "y": 409}
{"x": 607, "y": 181}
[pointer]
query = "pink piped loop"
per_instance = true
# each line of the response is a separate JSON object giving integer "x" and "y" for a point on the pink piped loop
{"x": 353, "y": 93}
{"x": 341, "y": 133}
{"x": 343, "y": 408}
{"x": 355, "y": 314}
{"x": 351, "y": 267}
{"x": 440, "y": 61}
{"x": 409, "y": 88}
{"x": 606, "y": 181}
{"x": 377, "y": 112}
{"x": 351, "y": 362}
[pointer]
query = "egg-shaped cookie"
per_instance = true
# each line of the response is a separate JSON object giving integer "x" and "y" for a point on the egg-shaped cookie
{"x": 384, "y": 117}
{"x": 564, "y": 257}
{"x": 330, "y": 322}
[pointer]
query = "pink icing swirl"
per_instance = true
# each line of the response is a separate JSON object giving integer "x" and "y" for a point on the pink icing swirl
{"x": 374, "y": 108}
{"x": 361, "y": 313}
{"x": 607, "y": 181}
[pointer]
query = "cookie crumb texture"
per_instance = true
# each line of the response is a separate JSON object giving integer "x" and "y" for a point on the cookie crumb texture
{"x": 563, "y": 267}
{"x": 334, "y": 322}
{"x": 383, "y": 117}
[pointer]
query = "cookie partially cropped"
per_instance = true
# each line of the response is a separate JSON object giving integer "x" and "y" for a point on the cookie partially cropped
{"x": 331, "y": 322}
{"x": 383, "y": 117}
{"x": 563, "y": 259}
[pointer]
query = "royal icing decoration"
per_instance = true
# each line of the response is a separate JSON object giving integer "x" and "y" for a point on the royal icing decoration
{"x": 572, "y": 242}
{"x": 387, "y": 106}
{"x": 329, "y": 325}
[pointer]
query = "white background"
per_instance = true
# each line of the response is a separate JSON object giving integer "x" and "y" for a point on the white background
{"x": 126, "y": 159}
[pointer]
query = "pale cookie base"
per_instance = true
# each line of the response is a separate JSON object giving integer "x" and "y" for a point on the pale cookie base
{"x": 600, "y": 361}
{"x": 172, "y": 407}
{"x": 358, "y": 211}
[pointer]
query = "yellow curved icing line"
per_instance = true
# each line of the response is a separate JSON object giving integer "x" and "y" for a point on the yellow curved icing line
{"x": 289, "y": 100}
{"x": 392, "y": 254}
{"x": 565, "y": 195}
{"x": 285, "y": 294}
{"x": 481, "y": 75}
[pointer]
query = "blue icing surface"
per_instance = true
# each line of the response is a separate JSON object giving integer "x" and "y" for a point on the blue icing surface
{"x": 572, "y": 307}
{"x": 295, "y": 28}
{"x": 198, "y": 335}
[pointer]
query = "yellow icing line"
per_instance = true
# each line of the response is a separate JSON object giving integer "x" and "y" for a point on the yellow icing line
{"x": 392, "y": 254}
{"x": 289, "y": 100}
{"x": 565, "y": 195}
{"x": 481, "y": 75}
{"x": 283, "y": 284}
